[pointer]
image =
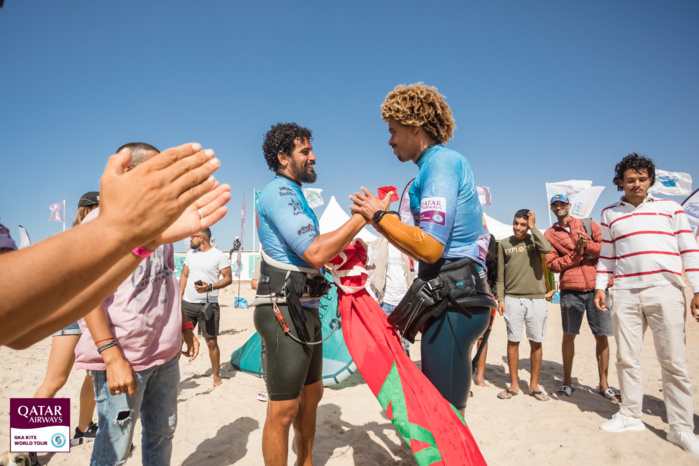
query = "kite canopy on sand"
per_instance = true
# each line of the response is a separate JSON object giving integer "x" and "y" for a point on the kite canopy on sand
{"x": 337, "y": 362}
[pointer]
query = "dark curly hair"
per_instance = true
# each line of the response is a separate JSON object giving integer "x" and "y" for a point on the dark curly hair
{"x": 636, "y": 163}
{"x": 282, "y": 138}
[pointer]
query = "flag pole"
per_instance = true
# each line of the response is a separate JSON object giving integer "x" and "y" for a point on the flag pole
{"x": 64, "y": 215}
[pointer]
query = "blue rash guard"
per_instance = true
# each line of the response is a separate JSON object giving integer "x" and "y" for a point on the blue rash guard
{"x": 444, "y": 203}
{"x": 287, "y": 225}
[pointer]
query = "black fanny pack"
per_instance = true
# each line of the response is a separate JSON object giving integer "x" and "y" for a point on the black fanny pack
{"x": 459, "y": 284}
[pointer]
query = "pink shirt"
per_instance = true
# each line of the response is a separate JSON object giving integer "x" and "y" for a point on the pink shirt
{"x": 144, "y": 315}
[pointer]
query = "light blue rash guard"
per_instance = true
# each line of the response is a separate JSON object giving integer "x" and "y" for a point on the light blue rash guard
{"x": 444, "y": 203}
{"x": 286, "y": 224}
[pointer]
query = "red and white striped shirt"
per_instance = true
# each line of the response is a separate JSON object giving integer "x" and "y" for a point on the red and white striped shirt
{"x": 644, "y": 246}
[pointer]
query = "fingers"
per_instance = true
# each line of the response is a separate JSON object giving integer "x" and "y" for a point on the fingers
{"x": 388, "y": 196}
{"x": 117, "y": 165}
{"x": 132, "y": 386}
{"x": 194, "y": 171}
{"x": 171, "y": 156}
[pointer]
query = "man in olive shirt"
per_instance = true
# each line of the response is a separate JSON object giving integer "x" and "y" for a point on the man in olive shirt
{"x": 521, "y": 291}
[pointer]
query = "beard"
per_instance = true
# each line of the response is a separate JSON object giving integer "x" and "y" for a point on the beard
{"x": 302, "y": 174}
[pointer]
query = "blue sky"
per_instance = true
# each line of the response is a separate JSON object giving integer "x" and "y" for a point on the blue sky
{"x": 540, "y": 91}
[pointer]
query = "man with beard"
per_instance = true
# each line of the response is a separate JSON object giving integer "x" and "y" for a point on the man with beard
{"x": 289, "y": 291}
{"x": 199, "y": 285}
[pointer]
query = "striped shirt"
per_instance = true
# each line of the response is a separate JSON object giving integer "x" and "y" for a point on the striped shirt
{"x": 645, "y": 246}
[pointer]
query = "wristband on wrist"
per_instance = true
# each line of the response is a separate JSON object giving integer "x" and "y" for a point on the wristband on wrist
{"x": 187, "y": 325}
{"x": 104, "y": 339}
{"x": 142, "y": 252}
{"x": 106, "y": 345}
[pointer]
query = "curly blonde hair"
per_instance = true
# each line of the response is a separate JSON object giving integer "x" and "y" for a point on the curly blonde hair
{"x": 421, "y": 106}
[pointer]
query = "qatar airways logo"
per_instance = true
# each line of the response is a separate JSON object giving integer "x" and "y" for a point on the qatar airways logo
{"x": 39, "y": 424}
{"x": 433, "y": 210}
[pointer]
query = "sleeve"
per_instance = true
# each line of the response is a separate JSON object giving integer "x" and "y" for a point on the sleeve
{"x": 687, "y": 244}
{"x": 292, "y": 222}
{"x": 186, "y": 258}
{"x": 607, "y": 257}
{"x": 540, "y": 242}
{"x": 439, "y": 193}
{"x": 558, "y": 262}
{"x": 223, "y": 261}
{"x": 500, "y": 284}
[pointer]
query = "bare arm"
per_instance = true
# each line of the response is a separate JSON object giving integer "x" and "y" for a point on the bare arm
{"x": 175, "y": 185}
{"x": 325, "y": 247}
{"x": 183, "y": 280}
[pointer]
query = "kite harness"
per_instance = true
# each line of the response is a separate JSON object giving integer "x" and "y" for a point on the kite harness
{"x": 291, "y": 285}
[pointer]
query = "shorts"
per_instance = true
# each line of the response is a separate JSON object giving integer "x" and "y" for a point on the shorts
{"x": 207, "y": 328}
{"x": 529, "y": 312}
{"x": 72, "y": 329}
{"x": 289, "y": 365}
{"x": 573, "y": 307}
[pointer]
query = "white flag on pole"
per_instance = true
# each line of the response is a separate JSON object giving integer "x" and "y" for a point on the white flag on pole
{"x": 24, "y": 240}
{"x": 56, "y": 212}
{"x": 568, "y": 188}
{"x": 313, "y": 197}
{"x": 671, "y": 183}
{"x": 484, "y": 195}
{"x": 691, "y": 206}
{"x": 582, "y": 202}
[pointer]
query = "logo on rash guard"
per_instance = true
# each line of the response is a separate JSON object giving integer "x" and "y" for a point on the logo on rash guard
{"x": 433, "y": 210}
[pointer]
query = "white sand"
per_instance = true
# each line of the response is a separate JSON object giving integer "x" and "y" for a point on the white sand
{"x": 224, "y": 425}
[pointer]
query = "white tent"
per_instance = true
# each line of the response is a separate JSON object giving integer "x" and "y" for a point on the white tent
{"x": 334, "y": 217}
{"x": 498, "y": 229}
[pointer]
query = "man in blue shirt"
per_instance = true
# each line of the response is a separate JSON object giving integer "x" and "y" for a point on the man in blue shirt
{"x": 291, "y": 243}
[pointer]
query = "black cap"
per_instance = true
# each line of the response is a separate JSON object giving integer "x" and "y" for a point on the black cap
{"x": 88, "y": 199}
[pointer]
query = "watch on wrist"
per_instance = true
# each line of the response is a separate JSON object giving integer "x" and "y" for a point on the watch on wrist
{"x": 378, "y": 215}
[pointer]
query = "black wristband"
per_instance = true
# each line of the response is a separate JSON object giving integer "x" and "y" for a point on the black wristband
{"x": 211, "y": 287}
{"x": 106, "y": 345}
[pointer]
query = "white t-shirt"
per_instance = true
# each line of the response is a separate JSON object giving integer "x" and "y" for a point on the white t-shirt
{"x": 204, "y": 266}
{"x": 396, "y": 281}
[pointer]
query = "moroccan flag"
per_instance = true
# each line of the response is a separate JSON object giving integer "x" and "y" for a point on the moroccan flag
{"x": 434, "y": 429}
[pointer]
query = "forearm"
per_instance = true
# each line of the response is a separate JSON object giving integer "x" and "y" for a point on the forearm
{"x": 539, "y": 241}
{"x": 558, "y": 264}
{"x": 413, "y": 241}
{"x": 325, "y": 247}
{"x": 60, "y": 274}
{"x": 98, "y": 324}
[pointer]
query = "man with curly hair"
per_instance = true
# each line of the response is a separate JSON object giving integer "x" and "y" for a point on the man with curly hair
{"x": 450, "y": 228}
{"x": 289, "y": 325}
{"x": 645, "y": 241}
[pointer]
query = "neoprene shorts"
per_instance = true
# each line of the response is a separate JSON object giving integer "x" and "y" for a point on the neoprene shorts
{"x": 289, "y": 365}
{"x": 446, "y": 351}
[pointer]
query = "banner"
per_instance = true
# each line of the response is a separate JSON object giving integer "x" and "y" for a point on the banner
{"x": 56, "y": 212}
{"x": 313, "y": 197}
{"x": 24, "y": 240}
{"x": 484, "y": 195}
{"x": 671, "y": 183}
{"x": 582, "y": 203}
{"x": 429, "y": 424}
{"x": 691, "y": 206}
{"x": 239, "y": 259}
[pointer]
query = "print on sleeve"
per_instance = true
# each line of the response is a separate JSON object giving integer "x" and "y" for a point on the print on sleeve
{"x": 433, "y": 210}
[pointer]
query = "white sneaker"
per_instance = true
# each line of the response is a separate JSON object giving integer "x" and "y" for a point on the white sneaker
{"x": 621, "y": 423}
{"x": 262, "y": 396}
{"x": 687, "y": 440}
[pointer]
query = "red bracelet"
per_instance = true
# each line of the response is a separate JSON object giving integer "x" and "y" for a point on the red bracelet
{"x": 187, "y": 325}
{"x": 105, "y": 339}
{"x": 142, "y": 252}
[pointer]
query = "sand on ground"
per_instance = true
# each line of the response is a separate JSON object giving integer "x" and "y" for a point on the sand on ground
{"x": 223, "y": 426}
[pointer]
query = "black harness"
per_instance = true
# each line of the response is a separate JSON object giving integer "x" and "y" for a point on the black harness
{"x": 459, "y": 284}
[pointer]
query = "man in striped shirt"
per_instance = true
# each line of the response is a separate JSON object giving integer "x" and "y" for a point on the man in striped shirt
{"x": 645, "y": 241}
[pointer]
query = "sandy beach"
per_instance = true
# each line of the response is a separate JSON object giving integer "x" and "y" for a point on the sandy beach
{"x": 223, "y": 426}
